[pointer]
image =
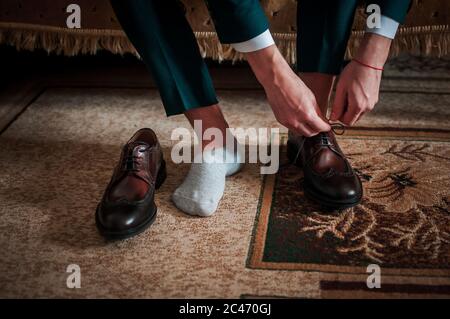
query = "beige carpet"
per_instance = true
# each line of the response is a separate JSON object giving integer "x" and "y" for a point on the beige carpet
{"x": 57, "y": 157}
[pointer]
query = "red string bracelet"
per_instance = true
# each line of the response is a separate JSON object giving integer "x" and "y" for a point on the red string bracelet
{"x": 369, "y": 66}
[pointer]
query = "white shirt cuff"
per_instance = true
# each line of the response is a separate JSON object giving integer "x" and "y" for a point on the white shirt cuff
{"x": 388, "y": 27}
{"x": 259, "y": 42}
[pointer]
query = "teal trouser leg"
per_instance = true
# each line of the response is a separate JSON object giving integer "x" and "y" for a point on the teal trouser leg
{"x": 162, "y": 36}
{"x": 237, "y": 20}
{"x": 165, "y": 41}
{"x": 324, "y": 29}
{"x": 323, "y": 32}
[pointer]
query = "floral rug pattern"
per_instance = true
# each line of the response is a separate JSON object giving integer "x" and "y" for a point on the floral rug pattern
{"x": 402, "y": 224}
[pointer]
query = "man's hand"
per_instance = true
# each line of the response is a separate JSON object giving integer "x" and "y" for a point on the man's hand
{"x": 358, "y": 87}
{"x": 295, "y": 106}
{"x": 356, "y": 93}
{"x": 292, "y": 102}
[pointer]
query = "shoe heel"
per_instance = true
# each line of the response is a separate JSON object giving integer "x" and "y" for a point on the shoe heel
{"x": 162, "y": 174}
{"x": 291, "y": 153}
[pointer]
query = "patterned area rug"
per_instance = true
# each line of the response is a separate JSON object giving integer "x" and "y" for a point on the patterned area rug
{"x": 57, "y": 156}
{"x": 403, "y": 223}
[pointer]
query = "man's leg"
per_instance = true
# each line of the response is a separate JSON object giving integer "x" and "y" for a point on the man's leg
{"x": 323, "y": 32}
{"x": 203, "y": 187}
{"x": 163, "y": 38}
{"x": 321, "y": 85}
{"x": 211, "y": 117}
{"x": 165, "y": 41}
{"x": 243, "y": 24}
{"x": 235, "y": 21}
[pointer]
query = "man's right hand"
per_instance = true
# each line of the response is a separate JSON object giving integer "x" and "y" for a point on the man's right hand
{"x": 292, "y": 102}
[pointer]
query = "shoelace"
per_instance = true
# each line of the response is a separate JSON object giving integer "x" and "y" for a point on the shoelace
{"x": 131, "y": 163}
{"x": 337, "y": 128}
{"x": 131, "y": 160}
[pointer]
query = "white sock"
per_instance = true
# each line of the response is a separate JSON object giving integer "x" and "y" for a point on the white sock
{"x": 203, "y": 187}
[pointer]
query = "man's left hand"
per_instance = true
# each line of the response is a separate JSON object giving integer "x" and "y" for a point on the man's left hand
{"x": 357, "y": 93}
{"x": 359, "y": 83}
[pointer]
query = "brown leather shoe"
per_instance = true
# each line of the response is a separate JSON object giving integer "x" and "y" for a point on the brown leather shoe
{"x": 127, "y": 207}
{"x": 328, "y": 177}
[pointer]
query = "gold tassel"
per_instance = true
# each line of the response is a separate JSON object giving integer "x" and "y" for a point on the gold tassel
{"x": 421, "y": 41}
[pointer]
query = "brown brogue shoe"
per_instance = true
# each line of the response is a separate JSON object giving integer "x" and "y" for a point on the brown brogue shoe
{"x": 127, "y": 207}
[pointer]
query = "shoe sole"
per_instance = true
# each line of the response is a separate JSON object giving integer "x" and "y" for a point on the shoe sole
{"x": 327, "y": 203}
{"x": 118, "y": 235}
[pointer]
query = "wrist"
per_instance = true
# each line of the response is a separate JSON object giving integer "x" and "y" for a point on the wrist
{"x": 267, "y": 64}
{"x": 373, "y": 50}
{"x": 368, "y": 65}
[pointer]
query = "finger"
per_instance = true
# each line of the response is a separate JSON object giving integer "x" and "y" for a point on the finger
{"x": 318, "y": 122}
{"x": 359, "y": 117}
{"x": 295, "y": 129}
{"x": 339, "y": 104}
{"x": 350, "y": 117}
{"x": 309, "y": 131}
{"x": 302, "y": 129}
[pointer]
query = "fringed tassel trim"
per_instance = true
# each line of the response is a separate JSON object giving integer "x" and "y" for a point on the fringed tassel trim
{"x": 423, "y": 41}
{"x": 64, "y": 41}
